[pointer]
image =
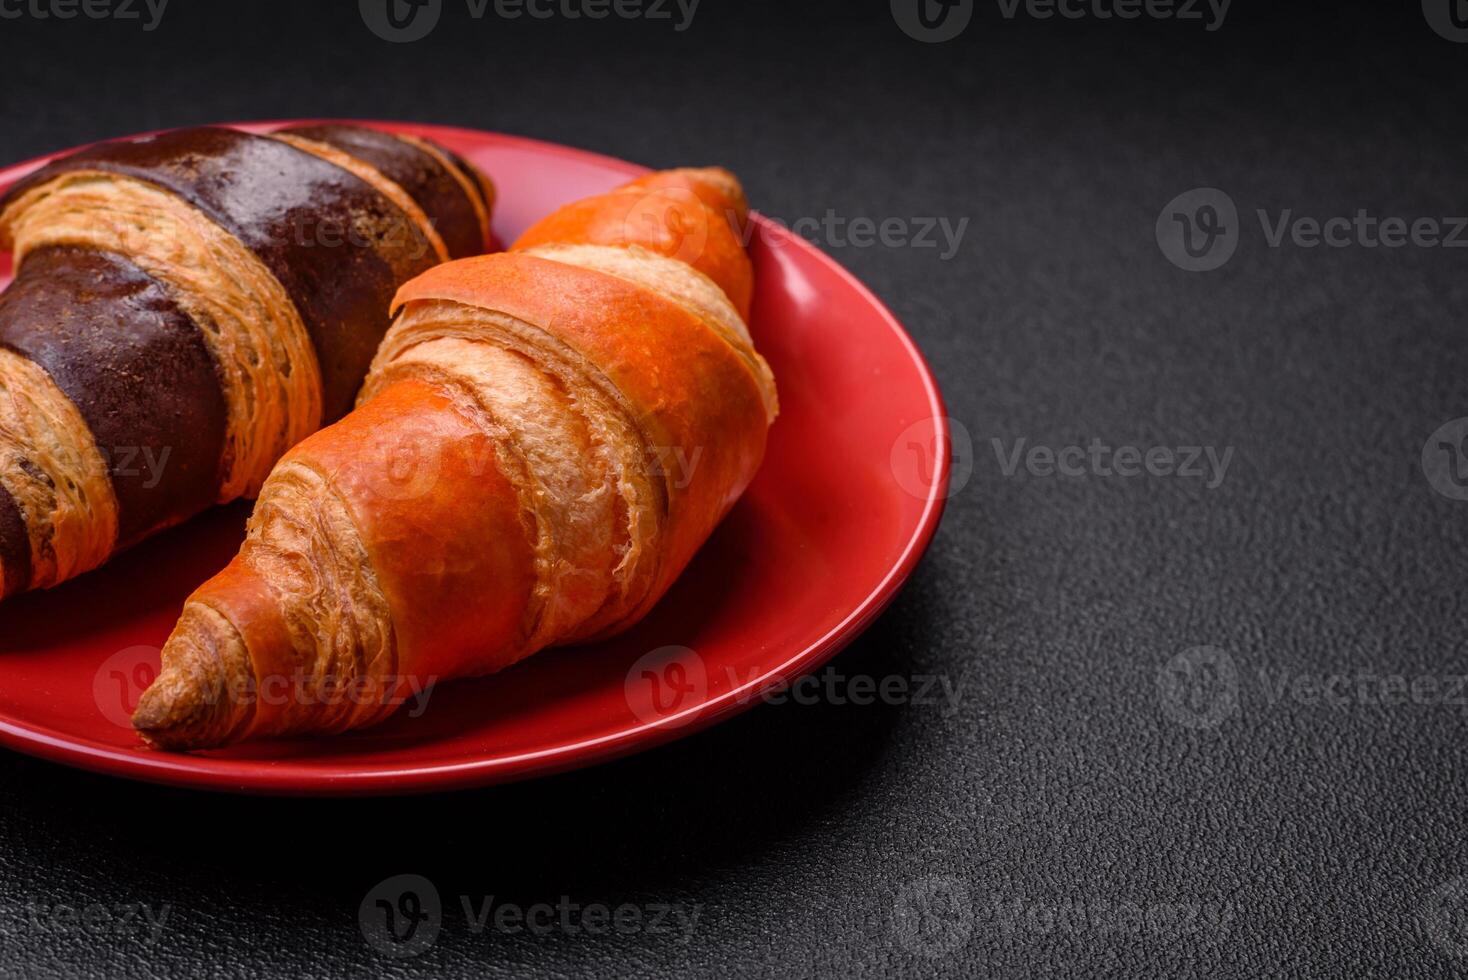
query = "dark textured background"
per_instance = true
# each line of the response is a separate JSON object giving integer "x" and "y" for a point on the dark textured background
{"x": 999, "y": 839}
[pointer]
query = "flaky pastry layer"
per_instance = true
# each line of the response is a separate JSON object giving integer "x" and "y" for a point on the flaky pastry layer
{"x": 574, "y": 398}
{"x": 681, "y": 283}
{"x": 54, "y": 470}
{"x": 304, "y": 546}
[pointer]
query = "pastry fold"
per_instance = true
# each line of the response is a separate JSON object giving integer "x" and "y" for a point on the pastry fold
{"x": 188, "y": 306}
{"x": 544, "y": 440}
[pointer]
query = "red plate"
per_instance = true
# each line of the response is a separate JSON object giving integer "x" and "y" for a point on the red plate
{"x": 848, "y": 499}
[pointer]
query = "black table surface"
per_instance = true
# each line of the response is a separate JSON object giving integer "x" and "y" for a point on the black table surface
{"x": 1205, "y": 725}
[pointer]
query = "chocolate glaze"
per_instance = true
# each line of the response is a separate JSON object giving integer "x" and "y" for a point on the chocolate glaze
{"x": 475, "y": 179}
{"x": 15, "y": 547}
{"x": 426, "y": 180}
{"x": 135, "y": 366}
{"x": 338, "y": 246}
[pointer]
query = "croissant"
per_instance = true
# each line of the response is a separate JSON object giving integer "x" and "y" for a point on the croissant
{"x": 545, "y": 438}
{"x": 188, "y": 306}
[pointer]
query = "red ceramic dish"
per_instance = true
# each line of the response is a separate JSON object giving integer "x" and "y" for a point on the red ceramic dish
{"x": 848, "y": 499}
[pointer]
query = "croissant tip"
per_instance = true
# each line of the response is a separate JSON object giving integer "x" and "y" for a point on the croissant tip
{"x": 187, "y": 707}
{"x": 166, "y": 720}
{"x": 720, "y": 177}
{"x": 727, "y": 183}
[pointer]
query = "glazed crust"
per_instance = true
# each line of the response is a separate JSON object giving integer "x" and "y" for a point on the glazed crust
{"x": 442, "y": 495}
{"x": 267, "y": 365}
{"x": 379, "y": 182}
{"x": 435, "y": 188}
{"x": 542, "y": 444}
{"x": 670, "y": 220}
{"x": 693, "y": 396}
{"x": 476, "y": 181}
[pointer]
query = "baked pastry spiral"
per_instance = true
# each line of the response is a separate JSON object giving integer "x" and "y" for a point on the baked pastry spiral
{"x": 544, "y": 440}
{"x": 188, "y": 306}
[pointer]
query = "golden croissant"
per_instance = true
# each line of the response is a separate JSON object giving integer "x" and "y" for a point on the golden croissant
{"x": 503, "y": 485}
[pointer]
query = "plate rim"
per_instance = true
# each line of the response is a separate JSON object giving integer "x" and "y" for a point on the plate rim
{"x": 271, "y": 777}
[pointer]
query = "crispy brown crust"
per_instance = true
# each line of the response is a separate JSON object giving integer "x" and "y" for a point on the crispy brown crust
{"x": 137, "y": 369}
{"x": 441, "y": 196}
{"x": 337, "y": 245}
{"x": 15, "y": 547}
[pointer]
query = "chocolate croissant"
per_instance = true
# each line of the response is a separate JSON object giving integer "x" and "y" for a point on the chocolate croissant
{"x": 544, "y": 440}
{"x": 188, "y": 306}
